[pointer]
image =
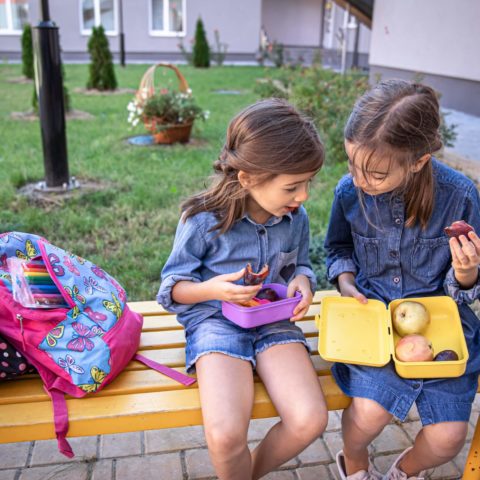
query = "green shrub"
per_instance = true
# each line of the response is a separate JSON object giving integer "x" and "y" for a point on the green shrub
{"x": 324, "y": 95}
{"x": 276, "y": 54}
{"x": 27, "y": 51}
{"x": 201, "y": 49}
{"x": 448, "y": 131}
{"x": 318, "y": 256}
{"x": 329, "y": 97}
{"x": 101, "y": 71}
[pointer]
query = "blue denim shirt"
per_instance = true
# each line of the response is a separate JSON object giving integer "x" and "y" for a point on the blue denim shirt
{"x": 199, "y": 254}
{"x": 392, "y": 261}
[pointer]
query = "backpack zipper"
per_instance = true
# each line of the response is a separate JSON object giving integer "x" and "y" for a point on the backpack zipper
{"x": 20, "y": 320}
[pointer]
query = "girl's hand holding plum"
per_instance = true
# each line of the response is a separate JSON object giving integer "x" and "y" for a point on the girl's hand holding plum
{"x": 300, "y": 284}
{"x": 465, "y": 252}
{"x": 224, "y": 289}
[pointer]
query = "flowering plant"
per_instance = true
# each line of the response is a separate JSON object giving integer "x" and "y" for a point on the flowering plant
{"x": 165, "y": 108}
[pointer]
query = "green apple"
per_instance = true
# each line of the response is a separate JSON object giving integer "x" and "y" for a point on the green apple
{"x": 410, "y": 318}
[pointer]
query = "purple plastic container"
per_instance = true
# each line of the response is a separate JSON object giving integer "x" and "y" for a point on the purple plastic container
{"x": 249, "y": 317}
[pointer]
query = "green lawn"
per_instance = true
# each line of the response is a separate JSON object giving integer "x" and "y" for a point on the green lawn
{"x": 128, "y": 228}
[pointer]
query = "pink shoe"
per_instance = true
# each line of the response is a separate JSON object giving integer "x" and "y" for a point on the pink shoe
{"x": 371, "y": 474}
{"x": 394, "y": 473}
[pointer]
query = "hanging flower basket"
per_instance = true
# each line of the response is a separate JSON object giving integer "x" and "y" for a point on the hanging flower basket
{"x": 167, "y": 114}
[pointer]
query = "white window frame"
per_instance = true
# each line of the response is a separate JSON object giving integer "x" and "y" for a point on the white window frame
{"x": 10, "y": 30}
{"x": 96, "y": 7}
{"x": 166, "y": 16}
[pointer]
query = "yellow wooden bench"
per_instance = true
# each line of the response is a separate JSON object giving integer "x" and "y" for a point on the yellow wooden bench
{"x": 143, "y": 399}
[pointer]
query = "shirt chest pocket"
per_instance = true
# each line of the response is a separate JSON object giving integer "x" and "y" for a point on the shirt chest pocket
{"x": 367, "y": 252}
{"x": 430, "y": 256}
{"x": 285, "y": 266}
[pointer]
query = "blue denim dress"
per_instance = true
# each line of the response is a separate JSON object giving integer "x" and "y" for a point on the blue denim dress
{"x": 198, "y": 254}
{"x": 389, "y": 261}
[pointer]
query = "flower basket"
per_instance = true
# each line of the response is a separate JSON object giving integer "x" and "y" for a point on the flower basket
{"x": 163, "y": 131}
{"x": 169, "y": 133}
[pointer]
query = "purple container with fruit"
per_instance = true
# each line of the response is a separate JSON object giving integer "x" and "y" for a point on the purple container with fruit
{"x": 249, "y": 317}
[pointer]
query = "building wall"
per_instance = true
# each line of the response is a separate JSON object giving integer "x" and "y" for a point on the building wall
{"x": 293, "y": 23}
{"x": 238, "y": 24}
{"x": 437, "y": 39}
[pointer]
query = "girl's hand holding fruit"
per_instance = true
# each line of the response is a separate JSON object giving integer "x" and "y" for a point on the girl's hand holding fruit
{"x": 224, "y": 289}
{"x": 465, "y": 250}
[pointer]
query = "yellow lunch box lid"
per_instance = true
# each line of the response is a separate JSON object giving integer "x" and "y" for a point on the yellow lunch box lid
{"x": 351, "y": 332}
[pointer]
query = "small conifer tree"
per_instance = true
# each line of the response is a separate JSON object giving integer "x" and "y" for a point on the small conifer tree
{"x": 101, "y": 72}
{"x": 27, "y": 51}
{"x": 201, "y": 49}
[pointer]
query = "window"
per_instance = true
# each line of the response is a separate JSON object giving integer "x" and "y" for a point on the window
{"x": 167, "y": 17}
{"x": 13, "y": 15}
{"x": 98, "y": 12}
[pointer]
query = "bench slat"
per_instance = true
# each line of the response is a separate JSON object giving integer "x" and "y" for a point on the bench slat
{"x": 128, "y": 382}
{"x": 133, "y": 412}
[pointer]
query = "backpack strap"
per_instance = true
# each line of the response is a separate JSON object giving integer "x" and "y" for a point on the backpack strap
{"x": 169, "y": 372}
{"x": 60, "y": 415}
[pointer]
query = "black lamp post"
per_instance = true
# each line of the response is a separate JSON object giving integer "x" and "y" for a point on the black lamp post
{"x": 49, "y": 84}
{"x": 121, "y": 34}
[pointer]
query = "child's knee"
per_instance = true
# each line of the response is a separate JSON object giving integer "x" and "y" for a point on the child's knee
{"x": 307, "y": 424}
{"x": 446, "y": 439}
{"x": 225, "y": 439}
{"x": 368, "y": 415}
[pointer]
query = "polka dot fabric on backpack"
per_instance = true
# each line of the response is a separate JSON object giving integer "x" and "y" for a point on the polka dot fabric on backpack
{"x": 12, "y": 363}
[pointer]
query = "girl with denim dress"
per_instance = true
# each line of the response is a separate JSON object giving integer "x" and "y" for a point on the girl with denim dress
{"x": 252, "y": 213}
{"x": 386, "y": 241}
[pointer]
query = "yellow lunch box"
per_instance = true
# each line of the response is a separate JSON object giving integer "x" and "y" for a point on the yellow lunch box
{"x": 350, "y": 332}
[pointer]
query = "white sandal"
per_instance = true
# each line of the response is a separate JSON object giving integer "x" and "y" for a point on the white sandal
{"x": 394, "y": 473}
{"x": 371, "y": 474}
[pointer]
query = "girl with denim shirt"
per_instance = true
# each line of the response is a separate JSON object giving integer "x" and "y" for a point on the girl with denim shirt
{"x": 386, "y": 241}
{"x": 252, "y": 213}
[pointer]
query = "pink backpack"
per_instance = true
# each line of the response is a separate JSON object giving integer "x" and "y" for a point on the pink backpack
{"x": 77, "y": 349}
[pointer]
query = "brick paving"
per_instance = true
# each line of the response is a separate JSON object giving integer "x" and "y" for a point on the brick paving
{"x": 181, "y": 454}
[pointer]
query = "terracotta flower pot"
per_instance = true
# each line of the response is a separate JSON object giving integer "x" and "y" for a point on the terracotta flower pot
{"x": 168, "y": 134}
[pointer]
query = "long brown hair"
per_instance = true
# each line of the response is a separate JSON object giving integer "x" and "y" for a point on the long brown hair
{"x": 400, "y": 120}
{"x": 265, "y": 139}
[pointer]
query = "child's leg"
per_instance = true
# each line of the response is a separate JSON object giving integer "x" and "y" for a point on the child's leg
{"x": 435, "y": 445}
{"x": 290, "y": 379}
{"x": 226, "y": 396}
{"x": 362, "y": 421}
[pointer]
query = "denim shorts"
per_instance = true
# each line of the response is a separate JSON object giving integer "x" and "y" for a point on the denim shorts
{"x": 218, "y": 335}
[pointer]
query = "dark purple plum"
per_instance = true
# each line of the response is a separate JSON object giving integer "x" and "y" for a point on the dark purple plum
{"x": 252, "y": 278}
{"x": 446, "y": 356}
{"x": 460, "y": 227}
{"x": 268, "y": 294}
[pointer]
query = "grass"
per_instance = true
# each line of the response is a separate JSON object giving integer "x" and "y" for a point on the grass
{"x": 127, "y": 228}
